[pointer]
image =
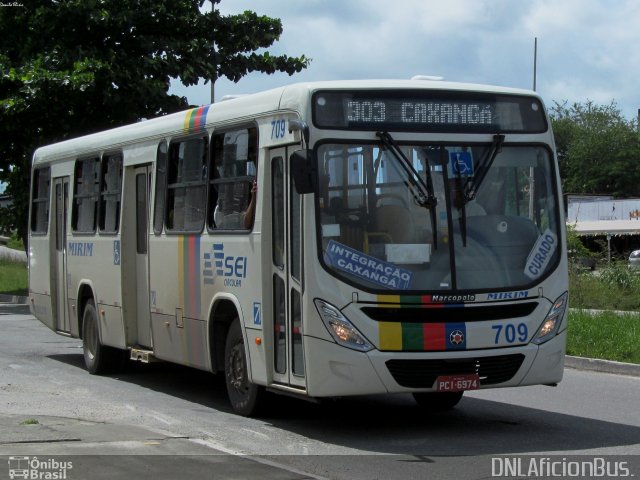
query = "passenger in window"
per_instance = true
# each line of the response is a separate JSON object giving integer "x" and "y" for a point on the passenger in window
{"x": 250, "y": 212}
{"x": 227, "y": 215}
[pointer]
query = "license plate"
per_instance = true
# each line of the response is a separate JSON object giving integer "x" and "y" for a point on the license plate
{"x": 457, "y": 383}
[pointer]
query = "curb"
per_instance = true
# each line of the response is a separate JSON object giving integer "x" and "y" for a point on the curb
{"x": 592, "y": 311}
{"x": 602, "y": 366}
{"x": 12, "y": 255}
{"x": 14, "y": 299}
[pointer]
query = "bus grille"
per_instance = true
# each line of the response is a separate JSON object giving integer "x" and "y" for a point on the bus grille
{"x": 423, "y": 373}
{"x": 461, "y": 313}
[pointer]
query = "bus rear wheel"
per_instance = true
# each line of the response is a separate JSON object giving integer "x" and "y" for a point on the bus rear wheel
{"x": 246, "y": 397}
{"x": 438, "y": 401}
{"x": 98, "y": 358}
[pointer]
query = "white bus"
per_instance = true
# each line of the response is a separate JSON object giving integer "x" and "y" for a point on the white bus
{"x": 400, "y": 236}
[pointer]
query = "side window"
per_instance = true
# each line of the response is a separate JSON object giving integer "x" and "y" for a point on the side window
{"x": 40, "y": 200}
{"x": 110, "y": 193}
{"x": 161, "y": 186}
{"x": 277, "y": 215}
{"x": 233, "y": 171}
{"x": 186, "y": 189}
{"x": 86, "y": 190}
{"x": 296, "y": 232}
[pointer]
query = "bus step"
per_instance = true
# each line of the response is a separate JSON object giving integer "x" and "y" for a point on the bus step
{"x": 144, "y": 356}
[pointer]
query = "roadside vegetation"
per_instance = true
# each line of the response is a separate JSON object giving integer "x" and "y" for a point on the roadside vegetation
{"x": 13, "y": 278}
{"x": 606, "y": 334}
{"x": 612, "y": 287}
{"x": 15, "y": 243}
{"x": 13, "y": 275}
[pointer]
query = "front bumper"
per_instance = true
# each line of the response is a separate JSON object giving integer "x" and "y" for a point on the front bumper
{"x": 333, "y": 370}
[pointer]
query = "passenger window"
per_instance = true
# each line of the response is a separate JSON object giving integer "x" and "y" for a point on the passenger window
{"x": 110, "y": 193}
{"x": 40, "y": 200}
{"x": 234, "y": 168}
{"x": 186, "y": 189}
{"x": 161, "y": 186}
{"x": 86, "y": 192}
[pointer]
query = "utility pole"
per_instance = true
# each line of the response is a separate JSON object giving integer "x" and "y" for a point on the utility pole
{"x": 535, "y": 61}
{"x": 213, "y": 51}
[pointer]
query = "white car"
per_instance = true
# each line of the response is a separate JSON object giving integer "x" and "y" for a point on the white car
{"x": 634, "y": 259}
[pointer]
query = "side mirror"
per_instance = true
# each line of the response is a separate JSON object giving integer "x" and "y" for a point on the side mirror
{"x": 303, "y": 170}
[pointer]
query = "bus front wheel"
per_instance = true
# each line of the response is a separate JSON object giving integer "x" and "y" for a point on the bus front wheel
{"x": 438, "y": 401}
{"x": 98, "y": 358}
{"x": 245, "y": 396}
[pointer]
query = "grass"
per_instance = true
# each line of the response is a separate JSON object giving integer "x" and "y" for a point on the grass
{"x": 604, "y": 335}
{"x": 30, "y": 421}
{"x": 611, "y": 288}
{"x": 13, "y": 278}
{"x": 15, "y": 243}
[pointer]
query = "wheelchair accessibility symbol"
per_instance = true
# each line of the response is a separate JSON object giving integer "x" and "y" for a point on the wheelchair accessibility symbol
{"x": 460, "y": 164}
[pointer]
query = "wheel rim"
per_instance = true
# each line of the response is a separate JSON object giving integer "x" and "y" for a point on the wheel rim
{"x": 236, "y": 370}
{"x": 91, "y": 339}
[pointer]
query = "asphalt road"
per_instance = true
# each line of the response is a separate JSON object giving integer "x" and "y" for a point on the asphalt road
{"x": 164, "y": 421}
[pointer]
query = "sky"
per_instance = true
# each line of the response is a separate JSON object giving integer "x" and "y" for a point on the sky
{"x": 587, "y": 49}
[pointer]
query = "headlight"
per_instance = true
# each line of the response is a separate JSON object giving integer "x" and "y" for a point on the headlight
{"x": 552, "y": 321}
{"x": 341, "y": 329}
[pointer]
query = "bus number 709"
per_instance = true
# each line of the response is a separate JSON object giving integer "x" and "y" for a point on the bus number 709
{"x": 511, "y": 332}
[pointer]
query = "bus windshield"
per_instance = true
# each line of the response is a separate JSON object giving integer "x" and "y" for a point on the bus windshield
{"x": 493, "y": 221}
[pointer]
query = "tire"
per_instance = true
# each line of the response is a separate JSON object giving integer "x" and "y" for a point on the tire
{"x": 246, "y": 398}
{"x": 98, "y": 358}
{"x": 438, "y": 401}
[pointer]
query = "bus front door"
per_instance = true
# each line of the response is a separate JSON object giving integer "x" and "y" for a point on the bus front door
{"x": 59, "y": 264}
{"x": 286, "y": 277}
{"x": 143, "y": 315}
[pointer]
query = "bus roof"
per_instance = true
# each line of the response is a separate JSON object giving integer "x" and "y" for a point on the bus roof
{"x": 293, "y": 98}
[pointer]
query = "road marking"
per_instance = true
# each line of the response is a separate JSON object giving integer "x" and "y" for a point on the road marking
{"x": 217, "y": 446}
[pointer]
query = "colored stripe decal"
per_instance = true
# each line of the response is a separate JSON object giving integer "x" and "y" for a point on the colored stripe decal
{"x": 390, "y": 336}
{"x": 181, "y": 271}
{"x": 202, "y": 118}
{"x": 434, "y": 336}
{"x": 187, "y": 119}
{"x": 189, "y": 297}
{"x": 196, "y": 119}
{"x": 418, "y": 337}
{"x": 389, "y": 298}
{"x": 412, "y": 336}
{"x": 413, "y": 301}
{"x": 189, "y": 273}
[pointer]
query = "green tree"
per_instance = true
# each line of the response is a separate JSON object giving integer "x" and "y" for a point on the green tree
{"x": 598, "y": 149}
{"x": 71, "y": 67}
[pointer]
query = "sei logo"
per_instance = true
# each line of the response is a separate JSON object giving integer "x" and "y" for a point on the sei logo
{"x": 217, "y": 264}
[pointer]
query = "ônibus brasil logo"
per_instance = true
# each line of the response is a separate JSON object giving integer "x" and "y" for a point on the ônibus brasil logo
{"x": 33, "y": 468}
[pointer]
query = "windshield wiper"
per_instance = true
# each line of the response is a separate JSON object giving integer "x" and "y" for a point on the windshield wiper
{"x": 422, "y": 191}
{"x": 462, "y": 219}
{"x": 473, "y": 183}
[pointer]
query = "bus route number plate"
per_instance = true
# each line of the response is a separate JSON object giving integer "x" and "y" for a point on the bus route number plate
{"x": 457, "y": 383}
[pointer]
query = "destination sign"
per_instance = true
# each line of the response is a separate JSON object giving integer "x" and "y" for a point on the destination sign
{"x": 429, "y": 111}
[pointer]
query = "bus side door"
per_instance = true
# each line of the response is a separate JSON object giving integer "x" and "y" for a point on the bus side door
{"x": 286, "y": 274}
{"x": 59, "y": 255}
